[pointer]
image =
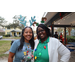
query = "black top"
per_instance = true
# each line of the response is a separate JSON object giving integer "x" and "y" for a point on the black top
{"x": 56, "y": 36}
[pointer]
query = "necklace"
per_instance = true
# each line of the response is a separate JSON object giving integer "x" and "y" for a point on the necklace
{"x": 39, "y": 53}
{"x": 41, "y": 47}
{"x": 28, "y": 54}
{"x": 28, "y": 45}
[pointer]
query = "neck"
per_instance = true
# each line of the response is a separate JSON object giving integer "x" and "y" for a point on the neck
{"x": 26, "y": 41}
{"x": 42, "y": 40}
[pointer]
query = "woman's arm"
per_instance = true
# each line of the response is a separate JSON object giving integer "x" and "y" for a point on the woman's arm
{"x": 12, "y": 51}
{"x": 64, "y": 52}
{"x": 10, "y": 58}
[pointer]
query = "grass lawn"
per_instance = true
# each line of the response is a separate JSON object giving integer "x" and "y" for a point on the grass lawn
{"x": 4, "y": 46}
{"x": 11, "y": 37}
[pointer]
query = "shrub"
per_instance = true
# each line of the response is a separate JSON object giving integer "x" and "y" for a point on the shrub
{"x": 8, "y": 35}
{"x": 70, "y": 38}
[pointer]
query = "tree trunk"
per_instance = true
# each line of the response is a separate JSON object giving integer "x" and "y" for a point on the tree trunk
{"x": 69, "y": 30}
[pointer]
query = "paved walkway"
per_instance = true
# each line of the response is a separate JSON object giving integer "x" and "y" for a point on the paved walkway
{"x": 8, "y": 39}
{"x": 4, "y": 59}
{"x": 72, "y": 59}
{"x": 6, "y": 52}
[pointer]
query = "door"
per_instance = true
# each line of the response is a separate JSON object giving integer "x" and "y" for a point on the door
{"x": 14, "y": 34}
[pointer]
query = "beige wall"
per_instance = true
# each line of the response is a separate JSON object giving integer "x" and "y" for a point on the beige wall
{"x": 12, "y": 33}
{"x": 8, "y": 30}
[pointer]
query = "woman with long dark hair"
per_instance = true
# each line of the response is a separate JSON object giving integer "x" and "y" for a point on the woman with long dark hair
{"x": 47, "y": 48}
{"x": 22, "y": 49}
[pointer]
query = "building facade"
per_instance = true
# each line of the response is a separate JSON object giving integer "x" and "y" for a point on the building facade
{"x": 13, "y": 32}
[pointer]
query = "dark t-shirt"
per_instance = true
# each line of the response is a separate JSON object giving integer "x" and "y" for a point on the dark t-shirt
{"x": 56, "y": 36}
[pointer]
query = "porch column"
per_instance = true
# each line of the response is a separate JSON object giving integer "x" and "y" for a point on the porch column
{"x": 10, "y": 33}
{"x": 16, "y": 33}
{"x": 65, "y": 35}
{"x": 52, "y": 30}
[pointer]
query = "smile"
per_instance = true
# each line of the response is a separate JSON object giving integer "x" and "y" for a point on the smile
{"x": 41, "y": 35}
{"x": 28, "y": 36}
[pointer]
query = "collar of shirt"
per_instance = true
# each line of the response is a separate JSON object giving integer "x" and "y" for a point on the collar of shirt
{"x": 45, "y": 41}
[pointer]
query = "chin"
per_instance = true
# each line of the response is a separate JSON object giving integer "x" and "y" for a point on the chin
{"x": 28, "y": 39}
{"x": 42, "y": 38}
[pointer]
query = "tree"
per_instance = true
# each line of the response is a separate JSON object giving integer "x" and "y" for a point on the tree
{"x": 16, "y": 22}
{"x": 15, "y": 19}
{"x": 2, "y": 21}
{"x": 74, "y": 28}
{"x": 59, "y": 30}
{"x": 69, "y": 30}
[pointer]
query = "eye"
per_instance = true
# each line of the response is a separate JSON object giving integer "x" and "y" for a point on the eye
{"x": 40, "y": 31}
{"x": 26, "y": 32}
{"x": 30, "y": 32}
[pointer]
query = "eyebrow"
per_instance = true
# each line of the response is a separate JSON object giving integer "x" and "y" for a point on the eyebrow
{"x": 28, "y": 31}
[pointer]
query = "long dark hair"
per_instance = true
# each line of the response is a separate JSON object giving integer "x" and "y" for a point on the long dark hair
{"x": 45, "y": 28}
{"x": 22, "y": 39}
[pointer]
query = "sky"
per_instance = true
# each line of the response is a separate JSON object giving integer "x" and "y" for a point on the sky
{"x": 8, "y": 16}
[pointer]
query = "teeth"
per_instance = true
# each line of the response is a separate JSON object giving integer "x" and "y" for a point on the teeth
{"x": 28, "y": 36}
{"x": 41, "y": 34}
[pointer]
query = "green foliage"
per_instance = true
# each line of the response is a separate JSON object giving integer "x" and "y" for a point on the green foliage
{"x": 2, "y": 20}
{"x": 8, "y": 35}
{"x": 70, "y": 38}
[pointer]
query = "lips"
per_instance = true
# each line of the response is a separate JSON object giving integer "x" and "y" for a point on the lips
{"x": 28, "y": 36}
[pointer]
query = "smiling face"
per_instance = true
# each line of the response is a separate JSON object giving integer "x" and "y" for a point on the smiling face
{"x": 42, "y": 34}
{"x": 27, "y": 34}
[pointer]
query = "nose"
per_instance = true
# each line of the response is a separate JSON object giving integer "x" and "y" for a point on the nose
{"x": 40, "y": 32}
{"x": 28, "y": 33}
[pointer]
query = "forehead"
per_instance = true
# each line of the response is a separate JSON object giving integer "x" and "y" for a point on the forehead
{"x": 39, "y": 28}
{"x": 28, "y": 29}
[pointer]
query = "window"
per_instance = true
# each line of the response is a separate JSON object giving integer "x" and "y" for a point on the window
{"x": 8, "y": 32}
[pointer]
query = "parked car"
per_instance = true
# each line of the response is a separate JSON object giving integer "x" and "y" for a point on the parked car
{"x": 1, "y": 37}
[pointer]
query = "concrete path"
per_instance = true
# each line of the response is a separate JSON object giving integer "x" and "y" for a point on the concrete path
{"x": 4, "y": 59}
{"x": 6, "y": 52}
{"x": 8, "y": 39}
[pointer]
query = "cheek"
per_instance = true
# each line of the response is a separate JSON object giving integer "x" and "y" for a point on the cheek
{"x": 24, "y": 35}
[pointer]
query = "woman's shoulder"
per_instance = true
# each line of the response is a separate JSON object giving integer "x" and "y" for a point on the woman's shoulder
{"x": 36, "y": 40}
{"x": 18, "y": 40}
{"x": 54, "y": 39}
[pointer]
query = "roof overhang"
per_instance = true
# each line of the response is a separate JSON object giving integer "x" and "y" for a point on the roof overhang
{"x": 49, "y": 16}
{"x": 15, "y": 31}
{"x": 54, "y": 18}
{"x": 67, "y": 21}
